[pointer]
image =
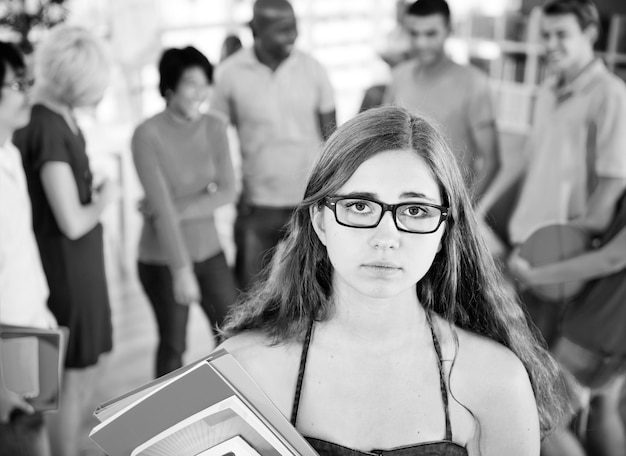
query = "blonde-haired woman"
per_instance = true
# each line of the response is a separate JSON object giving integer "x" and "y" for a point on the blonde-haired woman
{"x": 71, "y": 70}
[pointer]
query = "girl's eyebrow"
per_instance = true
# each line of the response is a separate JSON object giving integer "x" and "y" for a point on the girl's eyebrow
{"x": 403, "y": 195}
{"x": 361, "y": 195}
{"x": 418, "y": 195}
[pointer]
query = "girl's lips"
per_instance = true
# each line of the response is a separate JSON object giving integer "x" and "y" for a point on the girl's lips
{"x": 383, "y": 265}
{"x": 381, "y": 270}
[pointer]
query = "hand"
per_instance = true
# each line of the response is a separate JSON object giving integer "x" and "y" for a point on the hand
{"x": 145, "y": 209}
{"x": 520, "y": 269}
{"x": 10, "y": 401}
{"x": 580, "y": 223}
{"x": 592, "y": 226}
{"x": 108, "y": 192}
{"x": 98, "y": 178}
{"x": 51, "y": 321}
{"x": 186, "y": 289}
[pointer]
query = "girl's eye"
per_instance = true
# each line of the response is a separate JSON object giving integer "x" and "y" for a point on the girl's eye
{"x": 414, "y": 210}
{"x": 358, "y": 206}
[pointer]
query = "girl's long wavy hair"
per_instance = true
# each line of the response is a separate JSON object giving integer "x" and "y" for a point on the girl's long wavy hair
{"x": 463, "y": 285}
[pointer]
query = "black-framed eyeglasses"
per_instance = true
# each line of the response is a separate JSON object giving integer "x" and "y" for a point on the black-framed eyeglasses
{"x": 19, "y": 85}
{"x": 410, "y": 217}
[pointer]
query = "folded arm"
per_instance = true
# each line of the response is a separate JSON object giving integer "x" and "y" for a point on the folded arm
{"x": 607, "y": 260}
{"x": 217, "y": 193}
{"x": 601, "y": 205}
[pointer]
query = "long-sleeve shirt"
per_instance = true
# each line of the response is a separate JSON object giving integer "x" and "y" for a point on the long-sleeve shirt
{"x": 186, "y": 172}
{"x": 23, "y": 286}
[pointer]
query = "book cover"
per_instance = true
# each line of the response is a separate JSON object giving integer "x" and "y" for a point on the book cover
{"x": 32, "y": 363}
{"x": 201, "y": 405}
{"x": 212, "y": 427}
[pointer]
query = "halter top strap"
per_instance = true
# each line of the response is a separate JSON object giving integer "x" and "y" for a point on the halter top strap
{"x": 303, "y": 358}
{"x": 442, "y": 378}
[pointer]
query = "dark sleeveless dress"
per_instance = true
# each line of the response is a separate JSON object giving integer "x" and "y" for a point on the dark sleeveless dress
{"x": 74, "y": 269}
{"x": 445, "y": 447}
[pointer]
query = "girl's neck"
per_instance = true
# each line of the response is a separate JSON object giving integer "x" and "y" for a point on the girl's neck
{"x": 379, "y": 321}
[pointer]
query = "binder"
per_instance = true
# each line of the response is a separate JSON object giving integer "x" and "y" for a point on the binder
{"x": 194, "y": 409}
{"x": 32, "y": 363}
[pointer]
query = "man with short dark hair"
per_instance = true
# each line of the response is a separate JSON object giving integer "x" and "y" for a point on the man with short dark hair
{"x": 456, "y": 96}
{"x": 281, "y": 102}
{"x": 23, "y": 286}
{"x": 577, "y": 145}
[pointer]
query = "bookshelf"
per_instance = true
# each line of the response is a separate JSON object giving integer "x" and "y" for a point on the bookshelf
{"x": 509, "y": 50}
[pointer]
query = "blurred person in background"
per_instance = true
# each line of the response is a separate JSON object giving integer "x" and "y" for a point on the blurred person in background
{"x": 394, "y": 48}
{"x": 23, "y": 287}
{"x": 281, "y": 102}
{"x": 591, "y": 342}
{"x": 71, "y": 71}
{"x": 184, "y": 165}
{"x": 456, "y": 96}
{"x": 576, "y": 160}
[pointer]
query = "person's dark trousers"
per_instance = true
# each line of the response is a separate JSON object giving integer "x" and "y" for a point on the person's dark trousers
{"x": 257, "y": 231}
{"x": 545, "y": 315}
{"x": 24, "y": 435}
{"x": 217, "y": 287}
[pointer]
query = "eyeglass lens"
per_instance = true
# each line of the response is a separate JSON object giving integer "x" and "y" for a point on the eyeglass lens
{"x": 20, "y": 85}
{"x": 412, "y": 217}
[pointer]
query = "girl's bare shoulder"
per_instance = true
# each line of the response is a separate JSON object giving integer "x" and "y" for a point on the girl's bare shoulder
{"x": 273, "y": 366}
{"x": 475, "y": 354}
{"x": 479, "y": 367}
{"x": 485, "y": 364}
{"x": 490, "y": 380}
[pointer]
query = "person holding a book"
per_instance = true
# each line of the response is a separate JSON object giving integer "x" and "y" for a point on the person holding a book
{"x": 72, "y": 71}
{"x": 576, "y": 162}
{"x": 23, "y": 287}
{"x": 382, "y": 325}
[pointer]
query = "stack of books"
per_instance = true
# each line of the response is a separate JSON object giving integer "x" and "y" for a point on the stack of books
{"x": 211, "y": 407}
